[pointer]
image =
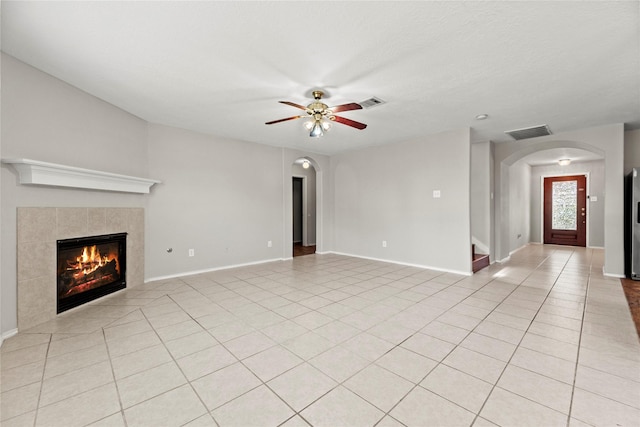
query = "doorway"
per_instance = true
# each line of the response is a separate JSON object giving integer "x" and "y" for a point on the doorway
{"x": 303, "y": 190}
{"x": 565, "y": 210}
{"x": 297, "y": 210}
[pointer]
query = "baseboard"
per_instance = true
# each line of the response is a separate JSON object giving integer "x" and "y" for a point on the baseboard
{"x": 209, "y": 270}
{"x": 595, "y": 247}
{"x": 614, "y": 275}
{"x": 7, "y": 335}
{"x": 444, "y": 270}
{"x": 517, "y": 249}
{"x": 504, "y": 259}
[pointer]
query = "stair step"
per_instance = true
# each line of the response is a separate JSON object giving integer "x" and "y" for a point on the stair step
{"x": 480, "y": 261}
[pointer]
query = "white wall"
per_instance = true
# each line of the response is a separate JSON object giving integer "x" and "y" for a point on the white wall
{"x": 481, "y": 196}
{"x": 595, "y": 209}
{"x": 46, "y": 119}
{"x": 310, "y": 183}
{"x": 606, "y": 141}
{"x": 386, "y": 193}
{"x": 2, "y": 330}
{"x": 519, "y": 206}
{"x": 220, "y": 197}
{"x": 631, "y": 150}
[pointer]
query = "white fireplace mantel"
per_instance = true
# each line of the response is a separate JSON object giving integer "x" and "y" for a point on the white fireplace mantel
{"x": 43, "y": 173}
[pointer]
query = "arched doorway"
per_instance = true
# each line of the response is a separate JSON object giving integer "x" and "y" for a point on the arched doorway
{"x": 605, "y": 141}
{"x": 303, "y": 190}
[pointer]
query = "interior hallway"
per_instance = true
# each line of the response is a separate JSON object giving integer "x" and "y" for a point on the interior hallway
{"x": 543, "y": 339}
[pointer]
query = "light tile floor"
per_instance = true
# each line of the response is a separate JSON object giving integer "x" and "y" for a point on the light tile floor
{"x": 325, "y": 340}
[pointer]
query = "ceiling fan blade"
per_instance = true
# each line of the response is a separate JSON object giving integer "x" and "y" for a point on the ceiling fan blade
{"x": 293, "y": 104}
{"x": 346, "y": 107}
{"x": 349, "y": 122}
{"x": 284, "y": 120}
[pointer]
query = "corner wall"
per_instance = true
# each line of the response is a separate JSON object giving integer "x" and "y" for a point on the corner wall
{"x": 46, "y": 119}
{"x": 220, "y": 197}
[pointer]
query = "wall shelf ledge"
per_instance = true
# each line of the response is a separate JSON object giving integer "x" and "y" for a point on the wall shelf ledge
{"x": 34, "y": 172}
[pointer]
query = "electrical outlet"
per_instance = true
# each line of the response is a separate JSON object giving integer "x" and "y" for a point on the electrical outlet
{"x": 384, "y": 243}
{"x": 269, "y": 244}
{"x": 192, "y": 252}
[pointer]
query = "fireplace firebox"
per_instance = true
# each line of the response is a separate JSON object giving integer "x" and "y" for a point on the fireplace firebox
{"x": 89, "y": 268}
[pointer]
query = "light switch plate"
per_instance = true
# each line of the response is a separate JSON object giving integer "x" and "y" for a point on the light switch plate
{"x": 436, "y": 194}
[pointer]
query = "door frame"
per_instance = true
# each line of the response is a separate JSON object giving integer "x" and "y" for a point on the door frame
{"x": 305, "y": 214}
{"x": 541, "y": 218}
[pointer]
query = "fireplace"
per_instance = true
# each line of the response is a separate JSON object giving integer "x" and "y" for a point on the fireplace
{"x": 89, "y": 268}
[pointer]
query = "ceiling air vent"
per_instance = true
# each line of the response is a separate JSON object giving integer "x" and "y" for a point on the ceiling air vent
{"x": 371, "y": 102}
{"x": 526, "y": 133}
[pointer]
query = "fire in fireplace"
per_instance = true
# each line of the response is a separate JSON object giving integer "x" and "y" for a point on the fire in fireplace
{"x": 89, "y": 268}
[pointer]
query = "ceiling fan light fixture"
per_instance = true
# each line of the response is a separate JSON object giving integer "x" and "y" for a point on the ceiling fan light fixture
{"x": 316, "y": 129}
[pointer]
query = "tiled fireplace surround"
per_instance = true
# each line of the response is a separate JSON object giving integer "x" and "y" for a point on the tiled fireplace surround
{"x": 38, "y": 230}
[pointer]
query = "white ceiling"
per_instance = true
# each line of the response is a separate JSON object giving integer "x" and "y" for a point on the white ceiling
{"x": 547, "y": 157}
{"x": 221, "y": 67}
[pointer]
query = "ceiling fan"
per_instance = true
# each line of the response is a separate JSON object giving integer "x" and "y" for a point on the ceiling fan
{"x": 322, "y": 115}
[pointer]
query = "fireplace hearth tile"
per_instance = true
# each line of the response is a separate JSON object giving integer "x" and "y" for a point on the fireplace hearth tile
{"x": 36, "y": 302}
{"x": 126, "y": 330}
{"x": 117, "y": 219}
{"x": 133, "y": 316}
{"x": 96, "y": 221}
{"x": 37, "y": 259}
{"x": 72, "y": 222}
{"x": 113, "y": 312}
{"x": 35, "y": 224}
{"x": 68, "y": 344}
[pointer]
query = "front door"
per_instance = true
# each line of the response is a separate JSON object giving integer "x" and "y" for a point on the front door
{"x": 565, "y": 210}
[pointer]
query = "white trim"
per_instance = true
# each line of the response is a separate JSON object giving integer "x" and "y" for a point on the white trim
{"x": 595, "y": 247}
{"x": 507, "y": 259}
{"x": 617, "y": 276}
{"x": 464, "y": 273}
{"x": 43, "y": 173}
{"x": 208, "y": 270}
{"x": 8, "y": 335}
{"x": 517, "y": 249}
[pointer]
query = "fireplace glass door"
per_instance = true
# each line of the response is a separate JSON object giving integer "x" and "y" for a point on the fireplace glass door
{"x": 89, "y": 268}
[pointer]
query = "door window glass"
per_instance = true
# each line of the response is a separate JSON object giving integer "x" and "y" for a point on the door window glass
{"x": 565, "y": 205}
